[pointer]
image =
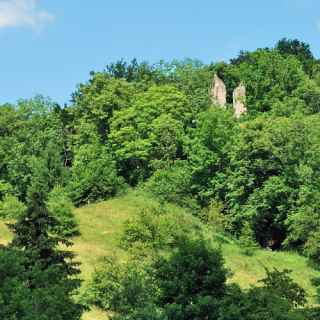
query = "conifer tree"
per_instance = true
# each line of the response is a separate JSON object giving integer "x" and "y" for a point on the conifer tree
{"x": 49, "y": 272}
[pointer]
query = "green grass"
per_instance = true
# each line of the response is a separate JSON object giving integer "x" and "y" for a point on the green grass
{"x": 248, "y": 270}
{"x": 5, "y": 235}
{"x": 95, "y": 314}
{"x": 101, "y": 227}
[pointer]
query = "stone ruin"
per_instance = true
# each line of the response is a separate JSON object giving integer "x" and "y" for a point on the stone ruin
{"x": 239, "y": 100}
{"x": 218, "y": 92}
{"x": 218, "y": 95}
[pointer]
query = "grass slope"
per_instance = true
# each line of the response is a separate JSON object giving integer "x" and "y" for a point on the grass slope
{"x": 101, "y": 227}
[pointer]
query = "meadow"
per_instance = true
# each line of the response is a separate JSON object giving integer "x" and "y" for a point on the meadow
{"x": 101, "y": 226}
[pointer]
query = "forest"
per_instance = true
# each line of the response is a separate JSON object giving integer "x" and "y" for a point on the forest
{"x": 206, "y": 178}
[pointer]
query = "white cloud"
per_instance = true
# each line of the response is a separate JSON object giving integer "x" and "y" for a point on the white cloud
{"x": 19, "y": 13}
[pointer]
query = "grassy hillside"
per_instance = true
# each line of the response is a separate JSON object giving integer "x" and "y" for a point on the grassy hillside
{"x": 101, "y": 227}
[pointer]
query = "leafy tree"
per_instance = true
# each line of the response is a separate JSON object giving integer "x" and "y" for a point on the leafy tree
{"x": 150, "y": 312}
{"x": 262, "y": 304}
{"x": 213, "y": 216}
{"x": 311, "y": 248}
{"x": 207, "y": 147}
{"x": 96, "y": 101}
{"x": 142, "y": 74}
{"x": 93, "y": 175}
{"x": 193, "y": 78}
{"x": 309, "y": 92}
{"x": 290, "y": 106}
{"x": 267, "y": 75}
{"x": 299, "y": 49}
{"x": 173, "y": 184}
{"x": 269, "y": 175}
{"x": 189, "y": 76}
{"x": 6, "y": 189}
{"x": 191, "y": 280}
{"x": 149, "y": 129}
{"x": 268, "y": 207}
{"x": 122, "y": 287}
{"x": 256, "y": 303}
{"x": 278, "y": 298}
{"x": 36, "y": 133}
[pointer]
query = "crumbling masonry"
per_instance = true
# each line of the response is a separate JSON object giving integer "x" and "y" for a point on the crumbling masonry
{"x": 218, "y": 95}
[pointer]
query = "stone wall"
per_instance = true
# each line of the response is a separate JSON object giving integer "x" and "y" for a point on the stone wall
{"x": 239, "y": 100}
{"x": 218, "y": 95}
{"x": 218, "y": 92}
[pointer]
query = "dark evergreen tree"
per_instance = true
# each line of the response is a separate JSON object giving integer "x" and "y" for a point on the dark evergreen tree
{"x": 49, "y": 274}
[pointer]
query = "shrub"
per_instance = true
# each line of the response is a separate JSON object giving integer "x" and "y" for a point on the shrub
{"x": 11, "y": 207}
{"x": 192, "y": 279}
{"x": 247, "y": 240}
{"x": 173, "y": 184}
{"x": 150, "y": 312}
{"x": 121, "y": 287}
{"x": 281, "y": 283}
{"x": 5, "y": 189}
{"x": 212, "y": 215}
{"x": 273, "y": 300}
{"x": 61, "y": 207}
{"x": 94, "y": 175}
{"x": 157, "y": 227}
{"x": 311, "y": 248}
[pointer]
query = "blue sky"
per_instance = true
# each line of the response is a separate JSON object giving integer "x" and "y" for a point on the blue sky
{"x": 49, "y": 46}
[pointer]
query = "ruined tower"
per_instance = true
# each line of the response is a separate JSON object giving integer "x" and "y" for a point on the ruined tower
{"x": 239, "y": 99}
{"x": 218, "y": 92}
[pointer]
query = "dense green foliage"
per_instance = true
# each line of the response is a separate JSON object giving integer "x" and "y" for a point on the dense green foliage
{"x": 61, "y": 208}
{"x": 27, "y": 291}
{"x": 136, "y": 125}
{"x": 93, "y": 175}
{"x": 185, "y": 280}
{"x": 40, "y": 278}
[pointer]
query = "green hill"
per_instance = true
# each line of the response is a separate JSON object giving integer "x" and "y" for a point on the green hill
{"x": 101, "y": 227}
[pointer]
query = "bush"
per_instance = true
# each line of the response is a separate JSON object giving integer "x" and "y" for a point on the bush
{"x": 281, "y": 283}
{"x": 185, "y": 284}
{"x": 121, "y": 287}
{"x": 150, "y": 312}
{"x": 61, "y": 207}
{"x": 94, "y": 175}
{"x": 274, "y": 300}
{"x": 247, "y": 240}
{"x": 5, "y": 189}
{"x": 192, "y": 279}
{"x": 11, "y": 207}
{"x": 212, "y": 215}
{"x": 173, "y": 184}
{"x": 263, "y": 304}
{"x": 157, "y": 227}
{"x": 311, "y": 248}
